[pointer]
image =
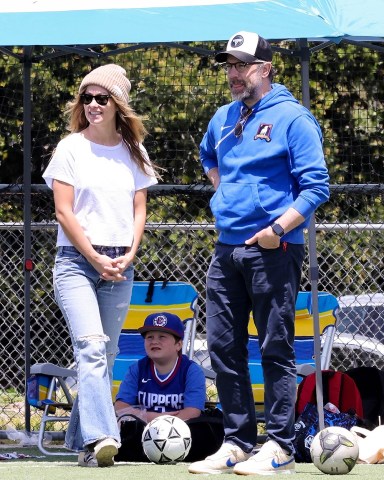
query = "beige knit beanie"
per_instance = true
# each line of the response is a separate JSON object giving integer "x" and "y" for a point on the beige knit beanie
{"x": 111, "y": 77}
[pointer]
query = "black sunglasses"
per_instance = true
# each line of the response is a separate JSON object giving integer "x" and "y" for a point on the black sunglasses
{"x": 244, "y": 115}
{"x": 86, "y": 98}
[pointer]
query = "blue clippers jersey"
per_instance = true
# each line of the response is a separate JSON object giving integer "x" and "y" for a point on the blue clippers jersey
{"x": 168, "y": 394}
{"x": 185, "y": 387}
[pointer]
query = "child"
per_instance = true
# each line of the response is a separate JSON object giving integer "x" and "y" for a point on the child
{"x": 164, "y": 382}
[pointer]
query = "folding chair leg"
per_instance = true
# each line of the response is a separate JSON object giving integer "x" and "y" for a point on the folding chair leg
{"x": 57, "y": 376}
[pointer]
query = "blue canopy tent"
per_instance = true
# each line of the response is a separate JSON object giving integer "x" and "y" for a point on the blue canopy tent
{"x": 74, "y": 25}
{"x": 81, "y": 22}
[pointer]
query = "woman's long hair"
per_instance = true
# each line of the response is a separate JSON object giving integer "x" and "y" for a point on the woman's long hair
{"x": 128, "y": 124}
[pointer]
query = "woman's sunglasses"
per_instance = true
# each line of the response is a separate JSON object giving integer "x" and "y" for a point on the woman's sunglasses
{"x": 86, "y": 98}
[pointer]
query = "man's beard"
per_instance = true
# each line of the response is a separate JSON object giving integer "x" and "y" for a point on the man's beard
{"x": 249, "y": 92}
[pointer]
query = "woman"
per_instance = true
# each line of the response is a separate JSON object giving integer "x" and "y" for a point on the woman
{"x": 99, "y": 175}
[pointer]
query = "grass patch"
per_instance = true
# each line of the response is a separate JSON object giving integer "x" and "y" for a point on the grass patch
{"x": 62, "y": 468}
{"x": 12, "y": 412}
{"x": 10, "y": 396}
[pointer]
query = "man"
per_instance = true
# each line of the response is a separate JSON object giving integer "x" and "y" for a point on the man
{"x": 263, "y": 155}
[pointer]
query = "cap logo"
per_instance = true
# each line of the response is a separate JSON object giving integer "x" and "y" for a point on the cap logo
{"x": 237, "y": 41}
{"x": 160, "y": 321}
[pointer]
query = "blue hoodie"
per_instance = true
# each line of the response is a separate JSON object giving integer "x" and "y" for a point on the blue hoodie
{"x": 276, "y": 163}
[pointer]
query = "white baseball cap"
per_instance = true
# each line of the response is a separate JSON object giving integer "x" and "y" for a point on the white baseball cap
{"x": 247, "y": 47}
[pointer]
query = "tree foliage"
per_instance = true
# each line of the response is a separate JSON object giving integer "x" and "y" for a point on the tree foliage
{"x": 177, "y": 88}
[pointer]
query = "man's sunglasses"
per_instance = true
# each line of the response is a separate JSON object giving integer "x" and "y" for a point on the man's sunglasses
{"x": 244, "y": 115}
{"x": 86, "y": 98}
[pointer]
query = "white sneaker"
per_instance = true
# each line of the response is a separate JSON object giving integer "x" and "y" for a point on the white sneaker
{"x": 87, "y": 459}
{"x": 105, "y": 450}
{"x": 270, "y": 460}
{"x": 222, "y": 461}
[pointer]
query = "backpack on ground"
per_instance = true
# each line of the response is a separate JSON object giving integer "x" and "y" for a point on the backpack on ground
{"x": 207, "y": 433}
{"x": 340, "y": 393}
{"x": 338, "y": 388}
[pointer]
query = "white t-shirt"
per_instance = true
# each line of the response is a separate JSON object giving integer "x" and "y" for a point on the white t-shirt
{"x": 105, "y": 180}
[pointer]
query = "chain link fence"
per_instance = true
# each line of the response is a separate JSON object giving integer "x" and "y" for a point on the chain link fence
{"x": 185, "y": 87}
{"x": 349, "y": 256}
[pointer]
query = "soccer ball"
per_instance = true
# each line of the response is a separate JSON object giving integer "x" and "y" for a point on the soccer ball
{"x": 334, "y": 450}
{"x": 166, "y": 439}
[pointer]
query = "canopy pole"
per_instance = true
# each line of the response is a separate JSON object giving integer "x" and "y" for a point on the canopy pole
{"x": 28, "y": 265}
{"x": 313, "y": 264}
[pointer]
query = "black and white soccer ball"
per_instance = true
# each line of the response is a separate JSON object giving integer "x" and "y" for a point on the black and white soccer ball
{"x": 335, "y": 450}
{"x": 166, "y": 439}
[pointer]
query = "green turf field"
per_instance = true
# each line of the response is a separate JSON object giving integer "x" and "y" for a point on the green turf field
{"x": 65, "y": 468}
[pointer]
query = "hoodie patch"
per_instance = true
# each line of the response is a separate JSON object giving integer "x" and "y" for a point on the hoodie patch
{"x": 264, "y": 132}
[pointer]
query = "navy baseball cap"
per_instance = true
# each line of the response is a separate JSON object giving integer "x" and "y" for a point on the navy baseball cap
{"x": 165, "y": 322}
{"x": 247, "y": 47}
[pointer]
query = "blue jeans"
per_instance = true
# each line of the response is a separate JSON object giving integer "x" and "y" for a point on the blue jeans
{"x": 242, "y": 279}
{"x": 94, "y": 310}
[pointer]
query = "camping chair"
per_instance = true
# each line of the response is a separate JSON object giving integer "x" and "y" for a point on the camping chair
{"x": 148, "y": 297}
{"x": 303, "y": 344}
{"x": 42, "y": 392}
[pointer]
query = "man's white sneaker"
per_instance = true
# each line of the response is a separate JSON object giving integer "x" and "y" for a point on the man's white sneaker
{"x": 222, "y": 461}
{"x": 105, "y": 450}
{"x": 271, "y": 459}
